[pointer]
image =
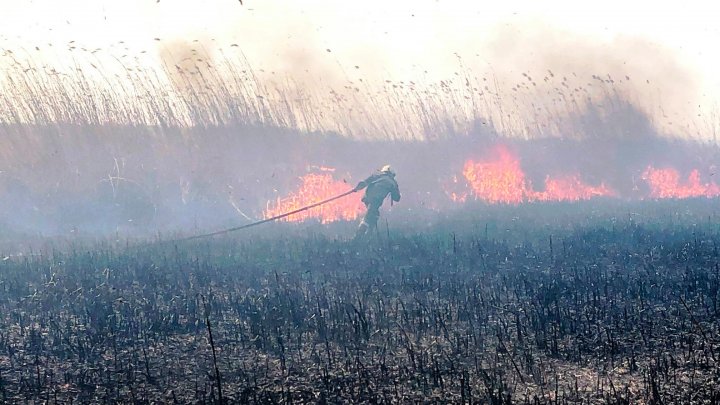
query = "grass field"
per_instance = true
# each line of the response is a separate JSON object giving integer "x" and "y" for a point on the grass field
{"x": 107, "y": 155}
{"x": 600, "y": 302}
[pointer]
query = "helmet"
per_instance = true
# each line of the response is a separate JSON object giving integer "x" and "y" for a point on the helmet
{"x": 387, "y": 169}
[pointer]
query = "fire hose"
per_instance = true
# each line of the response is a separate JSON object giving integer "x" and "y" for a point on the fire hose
{"x": 275, "y": 218}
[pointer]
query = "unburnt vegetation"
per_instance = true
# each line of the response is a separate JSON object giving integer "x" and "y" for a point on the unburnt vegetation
{"x": 505, "y": 310}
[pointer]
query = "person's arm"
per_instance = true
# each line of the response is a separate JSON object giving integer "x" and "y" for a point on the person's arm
{"x": 364, "y": 183}
{"x": 395, "y": 193}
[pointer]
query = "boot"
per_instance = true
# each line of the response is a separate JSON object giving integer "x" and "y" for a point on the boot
{"x": 362, "y": 230}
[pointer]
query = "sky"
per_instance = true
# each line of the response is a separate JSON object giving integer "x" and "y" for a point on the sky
{"x": 672, "y": 43}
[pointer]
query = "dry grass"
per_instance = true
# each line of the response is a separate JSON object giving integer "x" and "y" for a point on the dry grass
{"x": 92, "y": 88}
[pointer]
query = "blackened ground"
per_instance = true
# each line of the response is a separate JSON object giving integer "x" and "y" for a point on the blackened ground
{"x": 614, "y": 308}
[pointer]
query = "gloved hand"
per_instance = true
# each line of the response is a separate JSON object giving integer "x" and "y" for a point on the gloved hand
{"x": 358, "y": 187}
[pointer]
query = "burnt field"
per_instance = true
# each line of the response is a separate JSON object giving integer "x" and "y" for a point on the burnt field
{"x": 548, "y": 303}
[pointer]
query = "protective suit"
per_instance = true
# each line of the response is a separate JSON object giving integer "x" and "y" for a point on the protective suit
{"x": 378, "y": 186}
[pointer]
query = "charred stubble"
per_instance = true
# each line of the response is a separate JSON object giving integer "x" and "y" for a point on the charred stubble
{"x": 622, "y": 314}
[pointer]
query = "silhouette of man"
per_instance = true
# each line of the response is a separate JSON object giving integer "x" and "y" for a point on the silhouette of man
{"x": 378, "y": 186}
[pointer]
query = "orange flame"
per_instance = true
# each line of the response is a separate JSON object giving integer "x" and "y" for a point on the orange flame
{"x": 666, "y": 183}
{"x": 498, "y": 181}
{"x": 570, "y": 189}
{"x": 502, "y": 180}
{"x": 454, "y": 192}
{"x": 316, "y": 188}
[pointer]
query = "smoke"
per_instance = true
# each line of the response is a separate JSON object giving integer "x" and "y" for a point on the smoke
{"x": 186, "y": 63}
{"x": 127, "y": 182}
{"x": 545, "y": 70}
{"x": 227, "y": 110}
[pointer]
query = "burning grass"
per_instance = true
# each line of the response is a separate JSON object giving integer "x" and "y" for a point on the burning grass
{"x": 108, "y": 143}
{"x": 667, "y": 183}
{"x": 500, "y": 179}
{"x": 313, "y": 189}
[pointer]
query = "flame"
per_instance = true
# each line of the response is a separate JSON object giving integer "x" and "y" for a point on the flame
{"x": 666, "y": 183}
{"x": 502, "y": 180}
{"x": 316, "y": 188}
{"x": 498, "y": 181}
{"x": 455, "y": 190}
{"x": 458, "y": 197}
{"x": 570, "y": 189}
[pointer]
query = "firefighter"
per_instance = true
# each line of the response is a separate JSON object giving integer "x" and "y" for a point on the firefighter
{"x": 378, "y": 186}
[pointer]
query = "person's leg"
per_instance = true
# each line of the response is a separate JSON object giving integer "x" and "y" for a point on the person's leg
{"x": 372, "y": 216}
{"x": 369, "y": 222}
{"x": 362, "y": 229}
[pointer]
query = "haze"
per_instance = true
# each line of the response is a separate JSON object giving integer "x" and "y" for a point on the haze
{"x": 141, "y": 116}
